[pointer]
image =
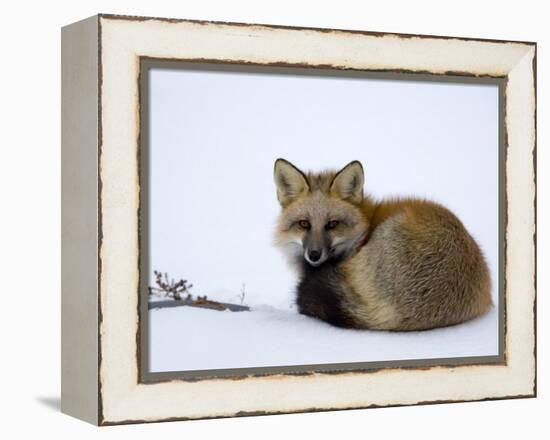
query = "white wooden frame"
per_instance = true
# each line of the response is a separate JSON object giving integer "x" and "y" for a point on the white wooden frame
{"x": 100, "y": 134}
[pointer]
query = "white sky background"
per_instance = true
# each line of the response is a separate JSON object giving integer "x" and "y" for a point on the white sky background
{"x": 215, "y": 136}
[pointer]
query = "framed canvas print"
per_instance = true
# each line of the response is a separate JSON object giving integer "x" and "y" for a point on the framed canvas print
{"x": 264, "y": 219}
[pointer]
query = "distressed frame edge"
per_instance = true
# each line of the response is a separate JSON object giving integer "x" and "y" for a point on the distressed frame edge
{"x": 102, "y": 421}
{"x": 80, "y": 252}
{"x": 128, "y": 17}
{"x": 315, "y": 410}
{"x": 535, "y": 209}
{"x": 532, "y": 116}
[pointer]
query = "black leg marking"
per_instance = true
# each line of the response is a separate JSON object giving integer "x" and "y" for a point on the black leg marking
{"x": 321, "y": 293}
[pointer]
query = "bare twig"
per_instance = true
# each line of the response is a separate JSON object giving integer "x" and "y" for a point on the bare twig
{"x": 170, "y": 288}
{"x": 180, "y": 291}
{"x": 243, "y": 293}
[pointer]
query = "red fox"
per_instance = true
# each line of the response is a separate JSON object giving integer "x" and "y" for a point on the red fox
{"x": 399, "y": 264}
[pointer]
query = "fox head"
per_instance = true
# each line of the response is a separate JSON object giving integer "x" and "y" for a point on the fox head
{"x": 321, "y": 217}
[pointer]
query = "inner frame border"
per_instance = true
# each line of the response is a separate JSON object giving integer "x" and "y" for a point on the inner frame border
{"x": 142, "y": 335}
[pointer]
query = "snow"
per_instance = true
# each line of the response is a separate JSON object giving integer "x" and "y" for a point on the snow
{"x": 214, "y": 138}
{"x": 190, "y": 338}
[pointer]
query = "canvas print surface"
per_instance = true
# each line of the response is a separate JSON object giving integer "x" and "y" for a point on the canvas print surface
{"x": 300, "y": 219}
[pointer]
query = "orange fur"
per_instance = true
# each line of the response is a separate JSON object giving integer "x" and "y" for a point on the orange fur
{"x": 399, "y": 264}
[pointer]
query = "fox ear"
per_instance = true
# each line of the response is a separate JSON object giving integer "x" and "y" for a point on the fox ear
{"x": 290, "y": 181}
{"x": 348, "y": 182}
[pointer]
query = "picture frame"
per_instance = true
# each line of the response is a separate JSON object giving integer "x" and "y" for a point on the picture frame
{"x": 105, "y": 375}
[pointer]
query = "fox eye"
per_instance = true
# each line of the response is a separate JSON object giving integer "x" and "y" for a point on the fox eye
{"x": 331, "y": 225}
{"x": 304, "y": 224}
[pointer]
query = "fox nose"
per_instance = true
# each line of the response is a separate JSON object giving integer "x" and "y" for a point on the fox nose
{"x": 314, "y": 255}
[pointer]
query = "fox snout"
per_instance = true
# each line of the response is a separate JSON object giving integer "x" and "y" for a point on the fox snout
{"x": 316, "y": 248}
{"x": 315, "y": 257}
